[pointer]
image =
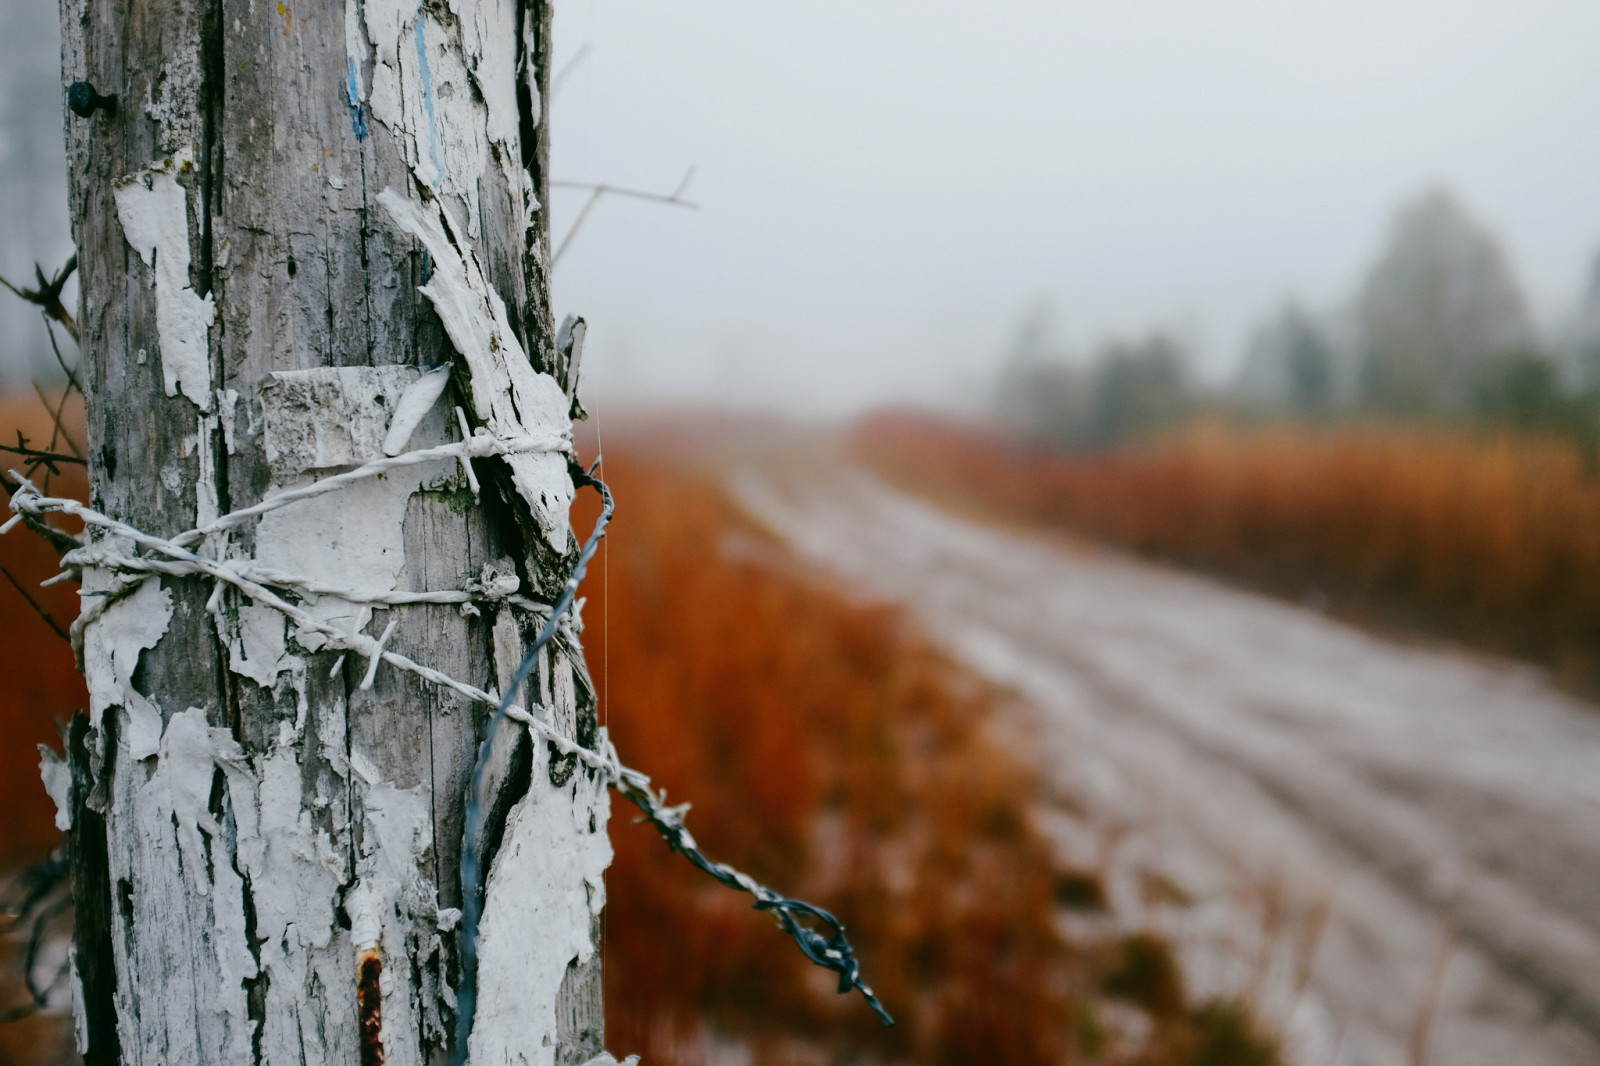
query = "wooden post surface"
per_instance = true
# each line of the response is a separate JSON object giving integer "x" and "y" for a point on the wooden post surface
{"x": 265, "y": 852}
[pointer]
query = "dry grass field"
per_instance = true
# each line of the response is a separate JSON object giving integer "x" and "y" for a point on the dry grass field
{"x": 1491, "y": 539}
{"x": 831, "y": 752}
{"x": 41, "y": 686}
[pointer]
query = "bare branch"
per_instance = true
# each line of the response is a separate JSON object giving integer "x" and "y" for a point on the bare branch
{"x": 72, "y": 374}
{"x": 39, "y": 456}
{"x": 48, "y": 295}
{"x": 601, "y": 189}
{"x": 561, "y": 76}
{"x": 675, "y": 197}
{"x": 37, "y": 609}
{"x": 59, "y": 433}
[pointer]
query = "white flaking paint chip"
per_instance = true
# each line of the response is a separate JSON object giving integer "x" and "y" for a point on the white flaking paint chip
{"x": 260, "y": 649}
{"x": 329, "y": 418}
{"x": 506, "y": 392}
{"x": 412, "y": 407}
{"x": 112, "y": 645}
{"x": 386, "y": 21}
{"x": 227, "y": 411}
{"x": 205, "y": 484}
{"x": 295, "y": 874}
{"x": 545, "y": 888}
{"x": 57, "y": 777}
{"x": 154, "y": 211}
{"x": 182, "y": 785}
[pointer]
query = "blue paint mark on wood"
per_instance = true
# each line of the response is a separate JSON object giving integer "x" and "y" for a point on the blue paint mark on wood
{"x": 427, "y": 103}
{"x": 358, "y": 118}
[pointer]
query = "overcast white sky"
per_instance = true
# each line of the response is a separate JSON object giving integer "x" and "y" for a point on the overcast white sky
{"x": 889, "y": 185}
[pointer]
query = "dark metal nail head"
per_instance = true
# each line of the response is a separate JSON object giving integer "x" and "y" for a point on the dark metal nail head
{"x": 84, "y": 100}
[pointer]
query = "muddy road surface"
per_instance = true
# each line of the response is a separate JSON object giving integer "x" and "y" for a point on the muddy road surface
{"x": 1389, "y": 848}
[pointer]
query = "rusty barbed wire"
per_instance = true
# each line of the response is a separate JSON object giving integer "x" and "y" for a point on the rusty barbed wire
{"x": 827, "y": 947}
{"x": 831, "y": 951}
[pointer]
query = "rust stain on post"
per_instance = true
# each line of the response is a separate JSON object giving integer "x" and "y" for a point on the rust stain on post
{"x": 369, "y": 1006}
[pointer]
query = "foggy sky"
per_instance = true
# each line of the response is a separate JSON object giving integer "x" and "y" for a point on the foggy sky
{"x": 889, "y": 187}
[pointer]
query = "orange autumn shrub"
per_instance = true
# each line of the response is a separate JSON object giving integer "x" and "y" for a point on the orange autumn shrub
{"x": 832, "y": 754}
{"x": 1491, "y": 538}
{"x": 829, "y": 752}
{"x": 42, "y": 685}
{"x": 784, "y": 716}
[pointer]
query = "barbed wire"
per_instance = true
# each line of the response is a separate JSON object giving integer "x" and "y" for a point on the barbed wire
{"x": 828, "y": 947}
{"x": 833, "y": 952}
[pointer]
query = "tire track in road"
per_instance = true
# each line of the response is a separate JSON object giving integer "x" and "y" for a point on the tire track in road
{"x": 1415, "y": 787}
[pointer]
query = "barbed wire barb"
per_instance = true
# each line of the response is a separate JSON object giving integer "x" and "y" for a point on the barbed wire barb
{"x": 177, "y": 557}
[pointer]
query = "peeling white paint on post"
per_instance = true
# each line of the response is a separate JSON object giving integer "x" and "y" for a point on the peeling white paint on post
{"x": 165, "y": 875}
{"x": 325, "y": 419}
{"x": 277, "y": 878}
{"x": 418, "y": 399}
{"x": 57, "y": 777}
{"x": 507, "y": 393}
{"x": 154, "y": 210}
{"x": 111, "y": 649}
{"x": 395, "y": 915}
{"x": 295, "y": 876}
{"x": 544, "y": 890}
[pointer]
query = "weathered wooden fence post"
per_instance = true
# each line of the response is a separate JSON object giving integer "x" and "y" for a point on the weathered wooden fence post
{"x": 298, "y": 222}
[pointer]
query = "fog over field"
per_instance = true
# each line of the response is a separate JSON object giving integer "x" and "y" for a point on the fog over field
{"x": 888, "y": 189}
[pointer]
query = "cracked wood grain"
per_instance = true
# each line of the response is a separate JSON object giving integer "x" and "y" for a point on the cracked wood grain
{"x": 252, "y": 824}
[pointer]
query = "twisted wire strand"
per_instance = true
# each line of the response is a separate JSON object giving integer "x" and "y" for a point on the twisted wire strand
{"x": 827, "y": 946}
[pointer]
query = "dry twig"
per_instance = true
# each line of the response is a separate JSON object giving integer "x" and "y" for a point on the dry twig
{"x": 48, "y": 295}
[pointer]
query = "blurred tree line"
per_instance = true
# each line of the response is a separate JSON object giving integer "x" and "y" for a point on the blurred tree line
{"x": 1437, "y": 331}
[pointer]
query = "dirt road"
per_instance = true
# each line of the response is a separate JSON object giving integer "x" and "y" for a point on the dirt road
{"x": 1380, "y": 843}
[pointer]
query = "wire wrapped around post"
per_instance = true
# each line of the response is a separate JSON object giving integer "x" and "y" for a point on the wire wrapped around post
{"x": 135, "y": 556}
{"x": 831, "y": 951}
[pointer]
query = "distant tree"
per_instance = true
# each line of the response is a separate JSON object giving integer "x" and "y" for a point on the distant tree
{"x": 1040, "y": 394}
{"x": 1139, "y": 387}
{"x": 1438, "y": 313}
{"x": 1581, "y": 345}
{"x": 1291, "y": 364}
{"x": 1130, "y": 389}
{"x": 1048, "y": 401}
{"x": 1523, "y": 388}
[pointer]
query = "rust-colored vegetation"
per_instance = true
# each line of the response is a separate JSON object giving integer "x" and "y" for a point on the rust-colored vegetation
{"x": 41, "y": 685}
{"x": 1492, "y": 538}
{"x": 828, "y": 751}
{"x": 832, "y": 754}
